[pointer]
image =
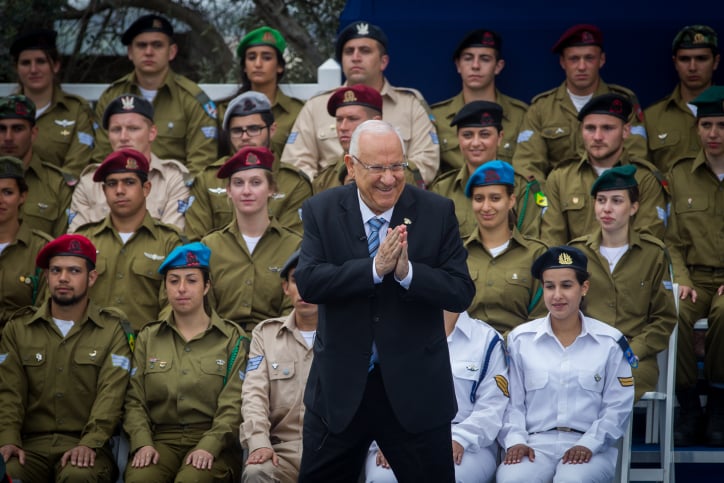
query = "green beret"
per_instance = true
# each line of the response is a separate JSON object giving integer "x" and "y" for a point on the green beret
{"x": 17, "y": 106}
{"x": 262, "y": 36}
{"x": 616, "y": 178}
{"x": 710, "y": 102}
{"x": 559, "y": 257}
{"x": 694, "y": 37}
{"x": 11, "y": 167}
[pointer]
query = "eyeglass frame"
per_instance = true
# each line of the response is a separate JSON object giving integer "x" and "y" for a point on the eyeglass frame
{"x": 245, "y": 130}
{"x": 379, "y": 168}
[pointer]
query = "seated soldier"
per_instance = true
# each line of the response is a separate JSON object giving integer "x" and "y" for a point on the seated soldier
{"x": 272, "y": 407}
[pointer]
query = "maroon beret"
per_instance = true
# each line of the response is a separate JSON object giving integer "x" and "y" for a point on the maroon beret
{"x": 122, "y": 161}
{"x": 66, "y": 246}
{"x": 579, "y": 35}
{"x": 357, "y": 95}
{"x": 248, "y": 157}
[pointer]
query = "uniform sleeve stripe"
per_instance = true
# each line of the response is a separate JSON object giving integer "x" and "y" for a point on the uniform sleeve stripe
{"x": 626, "y": 381}
{"x": 121, "y": 361}
{"x": 254, "y": 363}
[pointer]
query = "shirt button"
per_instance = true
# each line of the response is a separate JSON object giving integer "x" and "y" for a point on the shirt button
{"x": 180, "y": 398}
{"x": 119, "y": 275}
{"x": 245, "y": 304}
{"x": 184, "y": 372}
{"x": 248, "y": 282}
{"x": 59, "y": 395}
{"x": 187, "y": 349}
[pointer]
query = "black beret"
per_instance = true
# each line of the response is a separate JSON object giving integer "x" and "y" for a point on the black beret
{"x": 42, "y": 39}
{"x": 291, "y": 262}
{"x": 480, "y": 38}
{"x": 615, "y": 105}
{"x": 559, "y": 257}
{"x": 147, "y": 23}
{"x": 125, "y": 104}
{"x": 479, "y": 114}
{"x": 357, "y": 30}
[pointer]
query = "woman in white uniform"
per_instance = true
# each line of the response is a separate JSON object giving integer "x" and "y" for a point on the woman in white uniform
{"x": 480, "y": 377}
{"x": 571, "y": 389}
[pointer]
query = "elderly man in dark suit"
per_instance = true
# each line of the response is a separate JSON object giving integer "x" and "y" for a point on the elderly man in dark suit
{"x": 382, "y": 259}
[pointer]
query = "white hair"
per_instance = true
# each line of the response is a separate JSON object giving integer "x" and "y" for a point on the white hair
{"x": 374, "y": 126}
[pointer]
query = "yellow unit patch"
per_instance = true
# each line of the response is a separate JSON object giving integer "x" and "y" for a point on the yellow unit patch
{"x": 502, "y": 383}
{"x": 626, "y": 381}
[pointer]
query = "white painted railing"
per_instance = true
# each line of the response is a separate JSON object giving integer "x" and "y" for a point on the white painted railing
{"x": 329, "y": 76}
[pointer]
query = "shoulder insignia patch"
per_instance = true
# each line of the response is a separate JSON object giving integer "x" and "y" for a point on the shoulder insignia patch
{"x": 502, "y": 383}
{"x": 524, "y": 136}
{"x": 210, "y": 109}
{"x": 86, "y": 139}
{"x": 254, "y": 363}
{"x": 639, "y": 131}
{"x": 292, "y": 137}
{"x": 184, "y": 205}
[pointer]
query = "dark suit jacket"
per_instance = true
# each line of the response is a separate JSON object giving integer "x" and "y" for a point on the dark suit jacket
{"x": 335, "y": 271}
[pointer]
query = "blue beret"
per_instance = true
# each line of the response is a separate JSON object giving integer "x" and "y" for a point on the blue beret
{"x": 559, "y": 257}
{"x": 192, "y": 255}
{"x": 494, "y": 172}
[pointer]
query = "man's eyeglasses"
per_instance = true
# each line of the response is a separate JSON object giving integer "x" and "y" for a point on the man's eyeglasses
{"x": 252, "y": 131}
{"x": 379, "y": 168}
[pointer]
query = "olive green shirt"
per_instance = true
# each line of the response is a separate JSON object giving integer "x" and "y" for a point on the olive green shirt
{"x": 54, "y": 384}
{"x": 444, "y": 112}
{"x": 452, "y": 185}
{"x": 185, "y": 117}
{"x": 550, "y": 133}
{"x": 636, "y": 298}
{"x": 49, "y": 195}
{"x": 128, "y": 275}
{"x": 671, "y": 127}
{"x": 211, "y": 208}
{"x": 695, "y": 233}
{"x": 570, "y": 213}
{"x": 246, "y": 288}
{"x": 506, "y": 293}
{"x": 65, "y": 133}
{"x": 21, "y": 282}
{"x": 176, "y": 382}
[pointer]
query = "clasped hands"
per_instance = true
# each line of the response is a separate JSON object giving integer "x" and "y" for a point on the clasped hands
{"x": 392, "y": 253}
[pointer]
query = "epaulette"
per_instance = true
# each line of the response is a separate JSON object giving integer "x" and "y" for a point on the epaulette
{"x": 198, "y": 93}
{"x": 544, "y": 94}
{"x": 416, "y": 175}
{"x": 125, "y": 324}
{"x": 653, "y": 240}
{"x": 417, "y": 94}
{"x": 24, "y": 311}
{"x": 516, "y": 102}
{"x": 265, "y": 322}
{"x": 442, "y": 103}
{"x": 537, "y": 241}
{"x": 167, "y": 226}
{"x": 91, "y": 168}
{"x": 41, "y": 234}
{"x": 627, "y": 351}
{"x": 580, "y": 239}
{"x": 623, "y": 90}
{"x": 89, "y": 225}
{"x": 68, "y": 178}
{"x": 682, "y": 160}
{"x": 442, "y": 176}
{"x": 299, "y": 172}
{"x": 654, "y": 171}
{"x": 323, "y": 93}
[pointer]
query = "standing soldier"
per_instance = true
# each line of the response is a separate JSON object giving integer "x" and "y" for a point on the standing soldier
{"x": 604, "y": 130}
{"x": 272, "y": 406}
{"x": 550, "y": 133}
{"x": 694, "y": 236}
{"x": 49, "y": 188}
{"x": 248, "y": 121}
{"x": 131, "y": 244}
{"x": 362, "y": 50}
{"x": 63, "y": 119}
{"x": 63, "y": 375}
{"x": 671, "y": 122}
{"x": 478, "y": 59}
{"x": 129, "y": 122}
{"x": 350, "y": 106}
{"x": 184, "y": 114}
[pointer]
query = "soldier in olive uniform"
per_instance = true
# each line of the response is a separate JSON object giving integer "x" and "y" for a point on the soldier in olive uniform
{"x": 49, "y": 188}
{"x": 671, "y": 122}
{"x": 695, "y": 236}
{"x": 248, "y": 121}
{"x": 478, "y": 59}
{"x": 261, "y": 55}
{"x": 499, "y": 256}
{"x": 479, "y": 126}
{"x": 248, "y": 253}
{"x": 184, "y": 114}
{"x": 272, "y": 397}
{"x": 21, "y": 282}
{"x": 64, "y": 120}
{"x": 129, "y": 122}
{"x": 550, "y": 131}
{"x": 182, "y": 411}
{"x": 63, "y": 375}
{"x": 629, "y": 273}
{"x": 361, "y": 48}
{"x": 131, "y": 244}
{"x": 604, "y": 128}
{"x": 350, "y": 106}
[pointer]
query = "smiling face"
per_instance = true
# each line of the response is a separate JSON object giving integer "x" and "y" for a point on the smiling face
{"x": 379, "y": 191}
{"x": 491, "y": 205}
{"x": 479, "y": 144}
{"x": 186, "y": 288}
{"x": 562, "y": 293}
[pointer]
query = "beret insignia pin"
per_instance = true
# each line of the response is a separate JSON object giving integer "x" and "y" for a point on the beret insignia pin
{"x": 565, "y": 259}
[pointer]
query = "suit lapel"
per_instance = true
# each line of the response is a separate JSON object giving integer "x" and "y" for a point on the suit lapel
{"x": 350, "y": 222}
{"x": 405, "y": 211}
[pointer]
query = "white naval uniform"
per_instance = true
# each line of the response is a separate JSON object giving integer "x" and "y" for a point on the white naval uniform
{"x": 477, "y": 422}
{"x": 586, "y": 386}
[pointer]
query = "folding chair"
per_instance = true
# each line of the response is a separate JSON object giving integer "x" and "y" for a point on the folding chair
{"x": 659, "y": 407}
